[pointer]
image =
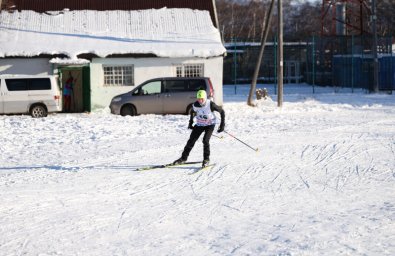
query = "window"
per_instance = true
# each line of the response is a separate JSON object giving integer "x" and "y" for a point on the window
{"x": 190, "y": 70}
{"x": 175, "y": 85}
{"x": 196, "y": 85}
{"x": 118, "y": 75}
{"x": 16, "y": 84}
{"x": 40, "y": 84}
{"x": 153, "y": 87}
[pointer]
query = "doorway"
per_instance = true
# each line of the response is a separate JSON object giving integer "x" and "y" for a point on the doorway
{"x": 292, "y": 72}
{"x": 75, "y": 84}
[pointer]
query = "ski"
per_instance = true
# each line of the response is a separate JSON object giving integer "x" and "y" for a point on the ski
{"x": 159, "y": 166}
{"x": 202, "y": 168}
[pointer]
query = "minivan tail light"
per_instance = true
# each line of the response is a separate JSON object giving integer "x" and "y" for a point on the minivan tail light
{"x": 57, "y": 97}
{"x": 211, "y": 88}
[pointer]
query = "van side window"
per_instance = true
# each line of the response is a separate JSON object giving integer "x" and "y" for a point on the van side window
{"x": 16, "y": 84}
{"x": 40, "y": 84}
{"x": 196, "y": 85}
{"x": 175, "y": 86}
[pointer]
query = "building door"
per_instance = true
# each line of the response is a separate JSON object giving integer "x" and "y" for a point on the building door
{"x": 292, "y": 72}
{"x": 86, "y": 90}
{"x": 75, "y": 83}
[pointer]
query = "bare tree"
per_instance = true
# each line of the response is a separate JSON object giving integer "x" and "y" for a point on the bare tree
{"x": 239, "y": 19}
{"x": 302, "y": 19}
{"x": 386, "y": 18}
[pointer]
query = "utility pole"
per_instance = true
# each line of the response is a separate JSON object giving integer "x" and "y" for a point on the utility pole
{"x": 374, "y": 50}
{"x": 280, "y": 62}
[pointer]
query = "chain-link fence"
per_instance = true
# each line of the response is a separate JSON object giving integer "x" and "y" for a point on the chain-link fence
{"x": 347, "y": 61}
{"x": 239, "y": 64}
{"x": 337, "y": 61}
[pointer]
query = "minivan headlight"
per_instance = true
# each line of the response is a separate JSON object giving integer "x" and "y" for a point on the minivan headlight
{"x": 116, "y": 99}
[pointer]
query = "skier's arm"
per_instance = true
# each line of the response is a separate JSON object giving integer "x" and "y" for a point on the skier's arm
{"x": 192, "y": 115}
{"x": 215, "y": 107}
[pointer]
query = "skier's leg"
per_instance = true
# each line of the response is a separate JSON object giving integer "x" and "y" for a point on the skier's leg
{"x": 206, "y": 141}
{"x": 195, "y": 134}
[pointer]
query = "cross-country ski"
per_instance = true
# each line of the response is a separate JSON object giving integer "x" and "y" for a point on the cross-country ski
{"x": 160, "y": 166}
{"x": 202, "y": 168}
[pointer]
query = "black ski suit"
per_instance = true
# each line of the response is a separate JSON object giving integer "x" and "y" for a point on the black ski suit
{"x": 197, "y": 130}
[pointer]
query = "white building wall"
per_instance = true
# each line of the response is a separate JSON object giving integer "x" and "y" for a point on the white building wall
{"x": 25, "y": 66}
{"x": 148, "y": 68}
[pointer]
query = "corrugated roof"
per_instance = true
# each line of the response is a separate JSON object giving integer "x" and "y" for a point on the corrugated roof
{"x": 103, "y": 5}
{"x": 161, "y": 32}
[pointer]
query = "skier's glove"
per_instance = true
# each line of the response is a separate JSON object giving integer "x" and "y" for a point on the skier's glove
{"x": 190, "y": 126}
{"x": 221, "y": 128}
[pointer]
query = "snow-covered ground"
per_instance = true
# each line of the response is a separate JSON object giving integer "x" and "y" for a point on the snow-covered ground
{"x": 322, "y": 182}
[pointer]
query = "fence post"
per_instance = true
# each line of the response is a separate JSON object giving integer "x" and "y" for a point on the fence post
{"x": 234, "y": 63}
{"x": 352, "y": 64}
{"x": 275, "y": 65}
{"x": 313, "y": 56}
{"x": 392, "y": 70}
{"x": 374, "y": 51}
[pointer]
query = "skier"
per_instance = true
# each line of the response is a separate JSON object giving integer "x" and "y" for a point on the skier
{"x": 205, "y": 122}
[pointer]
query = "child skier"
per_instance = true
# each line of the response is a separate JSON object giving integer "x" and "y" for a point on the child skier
{"x": 205, "y": 122}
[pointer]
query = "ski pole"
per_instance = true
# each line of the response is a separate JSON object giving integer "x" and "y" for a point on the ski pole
{"x": 255, "y": 149}
{"x": 219, "y": 137}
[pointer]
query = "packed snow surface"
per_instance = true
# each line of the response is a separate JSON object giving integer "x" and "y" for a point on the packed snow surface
{"x": 322, "y": 182}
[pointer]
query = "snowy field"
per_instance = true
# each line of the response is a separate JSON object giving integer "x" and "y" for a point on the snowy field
{"x": 322, "y": 182}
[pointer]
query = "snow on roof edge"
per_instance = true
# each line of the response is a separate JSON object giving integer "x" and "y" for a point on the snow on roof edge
{"x": 169, "y": 33}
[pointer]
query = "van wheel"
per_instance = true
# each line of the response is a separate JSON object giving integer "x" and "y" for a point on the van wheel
{"x": 128, "y": 110}
{"x": 38, "y": 111}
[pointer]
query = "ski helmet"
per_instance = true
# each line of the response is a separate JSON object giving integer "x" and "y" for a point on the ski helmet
{"x": 201, "y": 94}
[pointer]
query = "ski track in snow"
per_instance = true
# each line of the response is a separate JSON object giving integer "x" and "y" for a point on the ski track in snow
{"x": 321, "y": 184}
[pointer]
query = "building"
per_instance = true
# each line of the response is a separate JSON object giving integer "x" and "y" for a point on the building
{"x": 109, "y": 47}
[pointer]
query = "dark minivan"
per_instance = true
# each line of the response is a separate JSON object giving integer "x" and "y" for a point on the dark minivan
{"x": 166, "y": 95}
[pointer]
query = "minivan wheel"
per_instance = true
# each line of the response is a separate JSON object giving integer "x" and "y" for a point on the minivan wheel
{"x": 38, "y": 111}
{"x": 128, "y": 110}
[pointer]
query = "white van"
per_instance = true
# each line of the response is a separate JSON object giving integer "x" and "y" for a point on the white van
{"x": 22, "y": 94}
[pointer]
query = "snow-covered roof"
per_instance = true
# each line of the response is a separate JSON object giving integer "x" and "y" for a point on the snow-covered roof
{"x": 162, "y": 32}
